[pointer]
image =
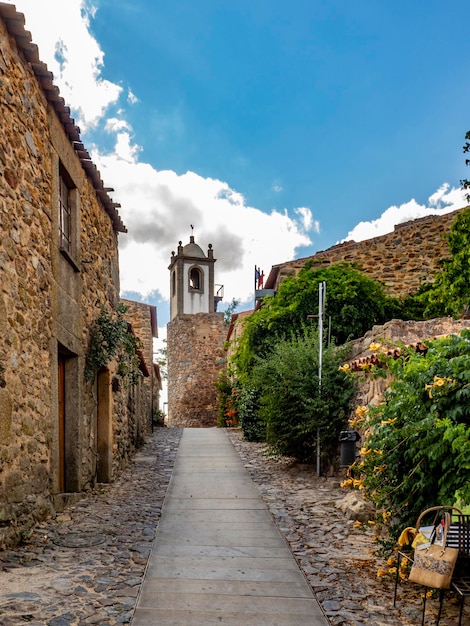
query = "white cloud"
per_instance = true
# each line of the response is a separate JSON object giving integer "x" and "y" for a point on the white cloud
{"x": 444, "y": 200}
{"x": 61, "y": 31}
{"x": 158, "y": 208}
{"x": 308, "y": 223}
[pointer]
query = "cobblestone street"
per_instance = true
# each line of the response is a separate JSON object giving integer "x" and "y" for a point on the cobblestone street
{"x": 337, "y": 558}
{"x": 86, "y": 566}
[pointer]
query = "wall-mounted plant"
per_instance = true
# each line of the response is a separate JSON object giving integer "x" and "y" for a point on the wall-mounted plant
{"x": 111, "y": 338}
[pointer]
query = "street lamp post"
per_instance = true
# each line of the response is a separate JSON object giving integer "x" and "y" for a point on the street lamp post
{"x": 321, "y": 312}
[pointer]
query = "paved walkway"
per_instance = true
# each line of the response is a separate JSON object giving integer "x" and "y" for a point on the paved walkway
{"x": 218, "y": 557}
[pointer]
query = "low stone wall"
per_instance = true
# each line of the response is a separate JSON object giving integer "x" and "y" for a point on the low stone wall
{"x": 195, "y": 357}
{"x": 392, "y": 333}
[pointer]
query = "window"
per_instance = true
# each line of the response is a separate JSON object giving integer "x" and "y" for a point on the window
{"x": 65, "y": 214}
{"x": 195, "y": 281}
{"x": 67, "y": 218}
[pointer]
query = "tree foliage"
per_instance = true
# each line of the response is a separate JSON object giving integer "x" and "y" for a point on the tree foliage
{"x": 354, "y": 303}
{"x": 417, "y": 448}
{"x": 465, "y": 183}
{"x": 291, "y": 404}
{"x": 449, "y": 294}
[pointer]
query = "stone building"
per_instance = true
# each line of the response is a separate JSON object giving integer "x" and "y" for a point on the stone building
{"x": 402, "y": 260}
{"x": 143, "y": 318}
{"x": 195, "y": 337}
{"x": 59, "y": 227}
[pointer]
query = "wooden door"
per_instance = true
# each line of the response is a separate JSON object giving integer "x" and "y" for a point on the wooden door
{"x": 61, "y": 425}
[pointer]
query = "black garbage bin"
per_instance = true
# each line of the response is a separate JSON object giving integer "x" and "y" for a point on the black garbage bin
{"x": 348, "y": 439}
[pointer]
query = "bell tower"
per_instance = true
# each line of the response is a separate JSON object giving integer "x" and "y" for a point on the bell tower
{"x": 195, "y": 337}
{"x": 192, "y": 280}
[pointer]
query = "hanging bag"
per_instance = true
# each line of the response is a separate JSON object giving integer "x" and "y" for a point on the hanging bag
{"x": 434, "y": 562}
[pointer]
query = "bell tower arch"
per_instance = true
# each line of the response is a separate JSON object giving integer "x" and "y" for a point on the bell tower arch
{"x": 192, "y": 280}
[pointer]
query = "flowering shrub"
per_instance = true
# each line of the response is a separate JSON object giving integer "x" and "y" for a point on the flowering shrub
{"x": 416, "y": 450}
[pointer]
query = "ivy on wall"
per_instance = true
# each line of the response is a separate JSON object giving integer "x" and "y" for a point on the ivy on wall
{"x": 112, "y": 338}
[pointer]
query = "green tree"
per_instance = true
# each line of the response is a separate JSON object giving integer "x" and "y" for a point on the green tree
{"x": 232, "y": 307}
{"x": 449, "y": 294}
{"x": 354, "y": 303}
{"x": 293, "y": 406}
{"x": 465, "y": 183}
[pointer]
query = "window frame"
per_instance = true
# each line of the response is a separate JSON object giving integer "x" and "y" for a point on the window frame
{"x": 67, "y": 198}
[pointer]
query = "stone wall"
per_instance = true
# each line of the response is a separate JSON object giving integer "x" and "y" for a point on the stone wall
{"x": 394, "y": 333}
{"x": 195, "y": 357}
{"x": 51, "y": 419}
{"x": 143, "y": 318}
{"x": 401, "y": 260}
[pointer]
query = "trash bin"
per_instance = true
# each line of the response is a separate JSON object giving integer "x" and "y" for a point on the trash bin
{"x": 347, "y": 439}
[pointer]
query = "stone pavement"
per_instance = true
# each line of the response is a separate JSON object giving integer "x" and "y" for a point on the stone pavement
{"x": 87, "y": 566}
{"x": 218, "y": 557}
{"x": 338, "y": 557}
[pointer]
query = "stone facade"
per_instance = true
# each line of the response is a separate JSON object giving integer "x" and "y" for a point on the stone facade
{"x": 59, "y": 229}
{"x": 195, "y": 357}
{"x": 143, "y": 318}
{"x": 402, "y": 260}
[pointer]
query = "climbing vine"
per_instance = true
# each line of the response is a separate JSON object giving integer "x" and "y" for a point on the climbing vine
{"x": 111, "y": 337}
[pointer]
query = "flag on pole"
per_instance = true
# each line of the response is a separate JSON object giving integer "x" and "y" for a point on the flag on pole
{"x": 257, "y": 275}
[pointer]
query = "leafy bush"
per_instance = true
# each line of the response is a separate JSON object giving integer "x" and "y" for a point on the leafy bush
{"x": 226, "y": 410}
{"x": 416, "y": 452}
{"x": 293, "y": 406}
{"x": 247, "y": 403}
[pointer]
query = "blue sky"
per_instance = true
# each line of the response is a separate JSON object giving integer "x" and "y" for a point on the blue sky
{"x": 276, "y": 128}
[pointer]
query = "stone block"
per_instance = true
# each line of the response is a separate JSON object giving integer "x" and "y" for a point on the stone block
{"x": 6, "y": 412}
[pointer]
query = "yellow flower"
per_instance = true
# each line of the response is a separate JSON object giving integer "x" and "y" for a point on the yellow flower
{"x": 365, "y": 451}
{"x": 381, "y": 572}
{"x": 346, "y": 483}
{"x": 361, "y": 411}
{"x": 374, "y": 346}
{"x": 389, "y": 421}
{"x": 344, "y": 368}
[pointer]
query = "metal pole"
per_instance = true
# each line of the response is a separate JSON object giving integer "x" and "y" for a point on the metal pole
{"x": 321, "y": 306}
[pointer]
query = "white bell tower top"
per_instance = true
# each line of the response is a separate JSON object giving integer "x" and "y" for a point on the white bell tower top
{"x": 191, "y": 280}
